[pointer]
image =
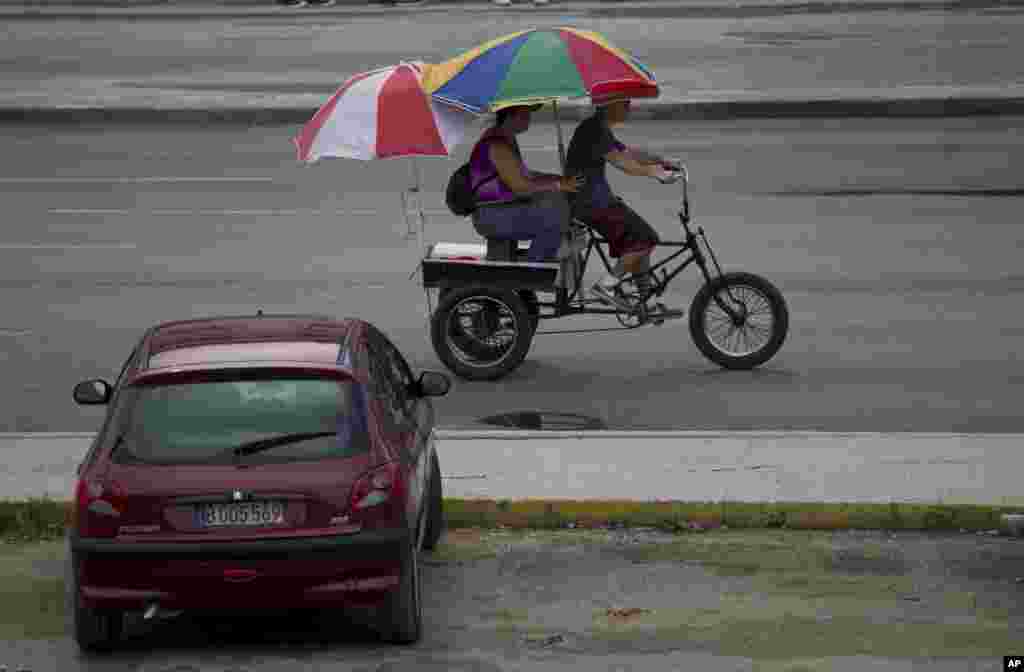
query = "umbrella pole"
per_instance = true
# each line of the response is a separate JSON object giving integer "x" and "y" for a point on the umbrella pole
{"x": 415, "y": 189}
{"x": 561, "y": 144}
{"x": 419, "y": 204}
{"x": 408, "y": 194}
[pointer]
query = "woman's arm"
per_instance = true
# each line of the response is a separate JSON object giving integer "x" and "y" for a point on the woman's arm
{"x": 507, "y": 164}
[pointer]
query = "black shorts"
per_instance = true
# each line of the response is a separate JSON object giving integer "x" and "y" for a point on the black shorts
{"x": 626, "y": 231}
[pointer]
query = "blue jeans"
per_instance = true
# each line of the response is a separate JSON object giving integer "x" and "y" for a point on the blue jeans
{"x": 541, "y": 219}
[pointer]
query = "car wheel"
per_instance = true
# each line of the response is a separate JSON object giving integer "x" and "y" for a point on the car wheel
{"x": 404, "y": 609}
{"x": 435, "y": 507}
{"x": 97, "y": 630}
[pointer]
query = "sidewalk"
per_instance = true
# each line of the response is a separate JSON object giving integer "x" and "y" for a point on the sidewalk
{"x": 279, "y": 110}
{"x": 250, "y": 103}
{"x": 352, "y": 7}
{"x": 730, "y": 72}
{"x": 769, "y": 467}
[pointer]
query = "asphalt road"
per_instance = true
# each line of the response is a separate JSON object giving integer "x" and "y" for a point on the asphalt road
{"x": 896, "y": 244}
{"x": 300, "y": 57}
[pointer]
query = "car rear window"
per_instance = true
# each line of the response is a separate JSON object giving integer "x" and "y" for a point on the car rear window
{"x": 203, "y": 422}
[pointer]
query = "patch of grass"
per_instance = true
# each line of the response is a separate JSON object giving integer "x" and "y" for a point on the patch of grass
{"x": 785, "y": 636}
{"x": 746, "y": 552}
{"x": 796, "y": 607}
{"x": 807, "y": 665}
{"x": 468, "y": 544}
{"x": 32, "y": 609}
{"x": 676, "y": 516}
{"x": 33, "y": 519}
{"x": 509, "y": 616}
{"x": 464, "y": 545}
{"x": 33, "y": 591}
{"x": 42, "y": 558}
{"x": 523, "y": 631}
{"x": 818, "y": 585}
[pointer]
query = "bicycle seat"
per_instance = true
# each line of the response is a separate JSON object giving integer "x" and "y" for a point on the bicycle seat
{"x": 584, "y": 227}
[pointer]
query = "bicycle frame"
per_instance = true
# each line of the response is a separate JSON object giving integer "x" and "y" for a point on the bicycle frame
{"x": 573, "y": 304}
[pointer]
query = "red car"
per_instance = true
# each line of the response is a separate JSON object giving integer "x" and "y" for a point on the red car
{"x": 262, "y": 461}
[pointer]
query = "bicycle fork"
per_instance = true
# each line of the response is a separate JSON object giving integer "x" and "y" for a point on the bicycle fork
{"x": 738, "y": 314}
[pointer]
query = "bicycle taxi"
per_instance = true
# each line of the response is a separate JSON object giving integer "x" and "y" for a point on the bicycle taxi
{"x": 490, "y": 300}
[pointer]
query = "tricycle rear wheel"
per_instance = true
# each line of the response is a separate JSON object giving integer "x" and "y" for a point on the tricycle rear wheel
{"x": 755, "y": 330}
{"x": 481, "y": 333}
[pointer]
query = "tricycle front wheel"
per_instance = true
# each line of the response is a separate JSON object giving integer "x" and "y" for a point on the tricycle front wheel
{"x": 481, "y": 333}
{"x": 739, "y": 320}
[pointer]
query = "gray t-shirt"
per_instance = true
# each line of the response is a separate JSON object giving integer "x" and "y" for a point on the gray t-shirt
{"x": 590, "y": 143}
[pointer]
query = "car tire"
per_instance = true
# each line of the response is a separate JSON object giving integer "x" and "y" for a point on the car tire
{"x": 404, "y": 608}
{"x": 97, "y": 630}
{"x": 435, "y": 507}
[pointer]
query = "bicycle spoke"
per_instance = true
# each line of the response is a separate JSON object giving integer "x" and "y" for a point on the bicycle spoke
{"x": 747, "y": 338}
{"x": 743, "y": 338}
{"x": 481, "y": 332}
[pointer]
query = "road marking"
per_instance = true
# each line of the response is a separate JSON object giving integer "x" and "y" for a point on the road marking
{"x": 182, "y": 212}
{"x": 129, "y": 180}
{"x": 186, "y": 212}
{"x": 66, "y": 246}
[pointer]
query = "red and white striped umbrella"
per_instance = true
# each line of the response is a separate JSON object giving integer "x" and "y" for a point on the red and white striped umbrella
{"x": 382, "y": 114}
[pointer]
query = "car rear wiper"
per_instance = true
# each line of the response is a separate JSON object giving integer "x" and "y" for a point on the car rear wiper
{"x": 260, "y": 445}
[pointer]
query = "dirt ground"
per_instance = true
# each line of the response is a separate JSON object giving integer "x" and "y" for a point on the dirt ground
{"x": 496, "y": 600}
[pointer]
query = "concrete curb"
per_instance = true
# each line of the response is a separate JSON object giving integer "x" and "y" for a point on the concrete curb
{"x": 652, "y": 111}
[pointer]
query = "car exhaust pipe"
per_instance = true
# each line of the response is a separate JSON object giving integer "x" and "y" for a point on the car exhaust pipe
{"x": 151, "y": 612}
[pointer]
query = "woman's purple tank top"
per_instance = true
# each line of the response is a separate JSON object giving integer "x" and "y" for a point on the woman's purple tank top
{"x": 481, "y": 166}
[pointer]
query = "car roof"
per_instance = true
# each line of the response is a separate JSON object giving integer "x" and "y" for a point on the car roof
{"x": 255, "y": 340}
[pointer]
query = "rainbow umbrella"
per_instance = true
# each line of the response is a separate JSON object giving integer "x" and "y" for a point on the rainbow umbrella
{"x": 536, "y": 66}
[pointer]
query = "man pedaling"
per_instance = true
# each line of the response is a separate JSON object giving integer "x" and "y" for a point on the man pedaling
{"x": 630, "y": 238}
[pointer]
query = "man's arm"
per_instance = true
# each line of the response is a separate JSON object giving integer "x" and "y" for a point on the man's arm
{"x": 648, "y": 158}
{"x": 624, "y": 161}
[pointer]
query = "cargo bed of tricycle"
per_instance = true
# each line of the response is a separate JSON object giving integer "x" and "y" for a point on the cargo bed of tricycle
{"x": 450, "y": 265}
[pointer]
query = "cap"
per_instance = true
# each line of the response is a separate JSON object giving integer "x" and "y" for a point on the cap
{"x": 606, "y": 93}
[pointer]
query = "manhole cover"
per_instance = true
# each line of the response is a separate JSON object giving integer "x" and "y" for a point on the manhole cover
{"x": 543, "y": 420}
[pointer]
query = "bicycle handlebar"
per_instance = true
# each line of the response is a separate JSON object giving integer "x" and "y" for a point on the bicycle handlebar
{"x": 677, "y": 175}
{"x": 680, "y": 175}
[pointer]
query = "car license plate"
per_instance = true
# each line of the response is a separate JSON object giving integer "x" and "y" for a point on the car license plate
{"x": 240, "y": 514}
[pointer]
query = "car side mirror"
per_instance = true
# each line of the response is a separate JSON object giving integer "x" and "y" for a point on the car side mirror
{"x": 93, "y": 392}
{"x": 433, "y": 384}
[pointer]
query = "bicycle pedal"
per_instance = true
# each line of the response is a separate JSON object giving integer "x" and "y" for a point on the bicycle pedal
{"x": 661, "y": 314}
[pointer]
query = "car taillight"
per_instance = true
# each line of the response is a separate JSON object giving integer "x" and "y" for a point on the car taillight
{"x": 97, "y": 509}
{"x": 380, "y": 486}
